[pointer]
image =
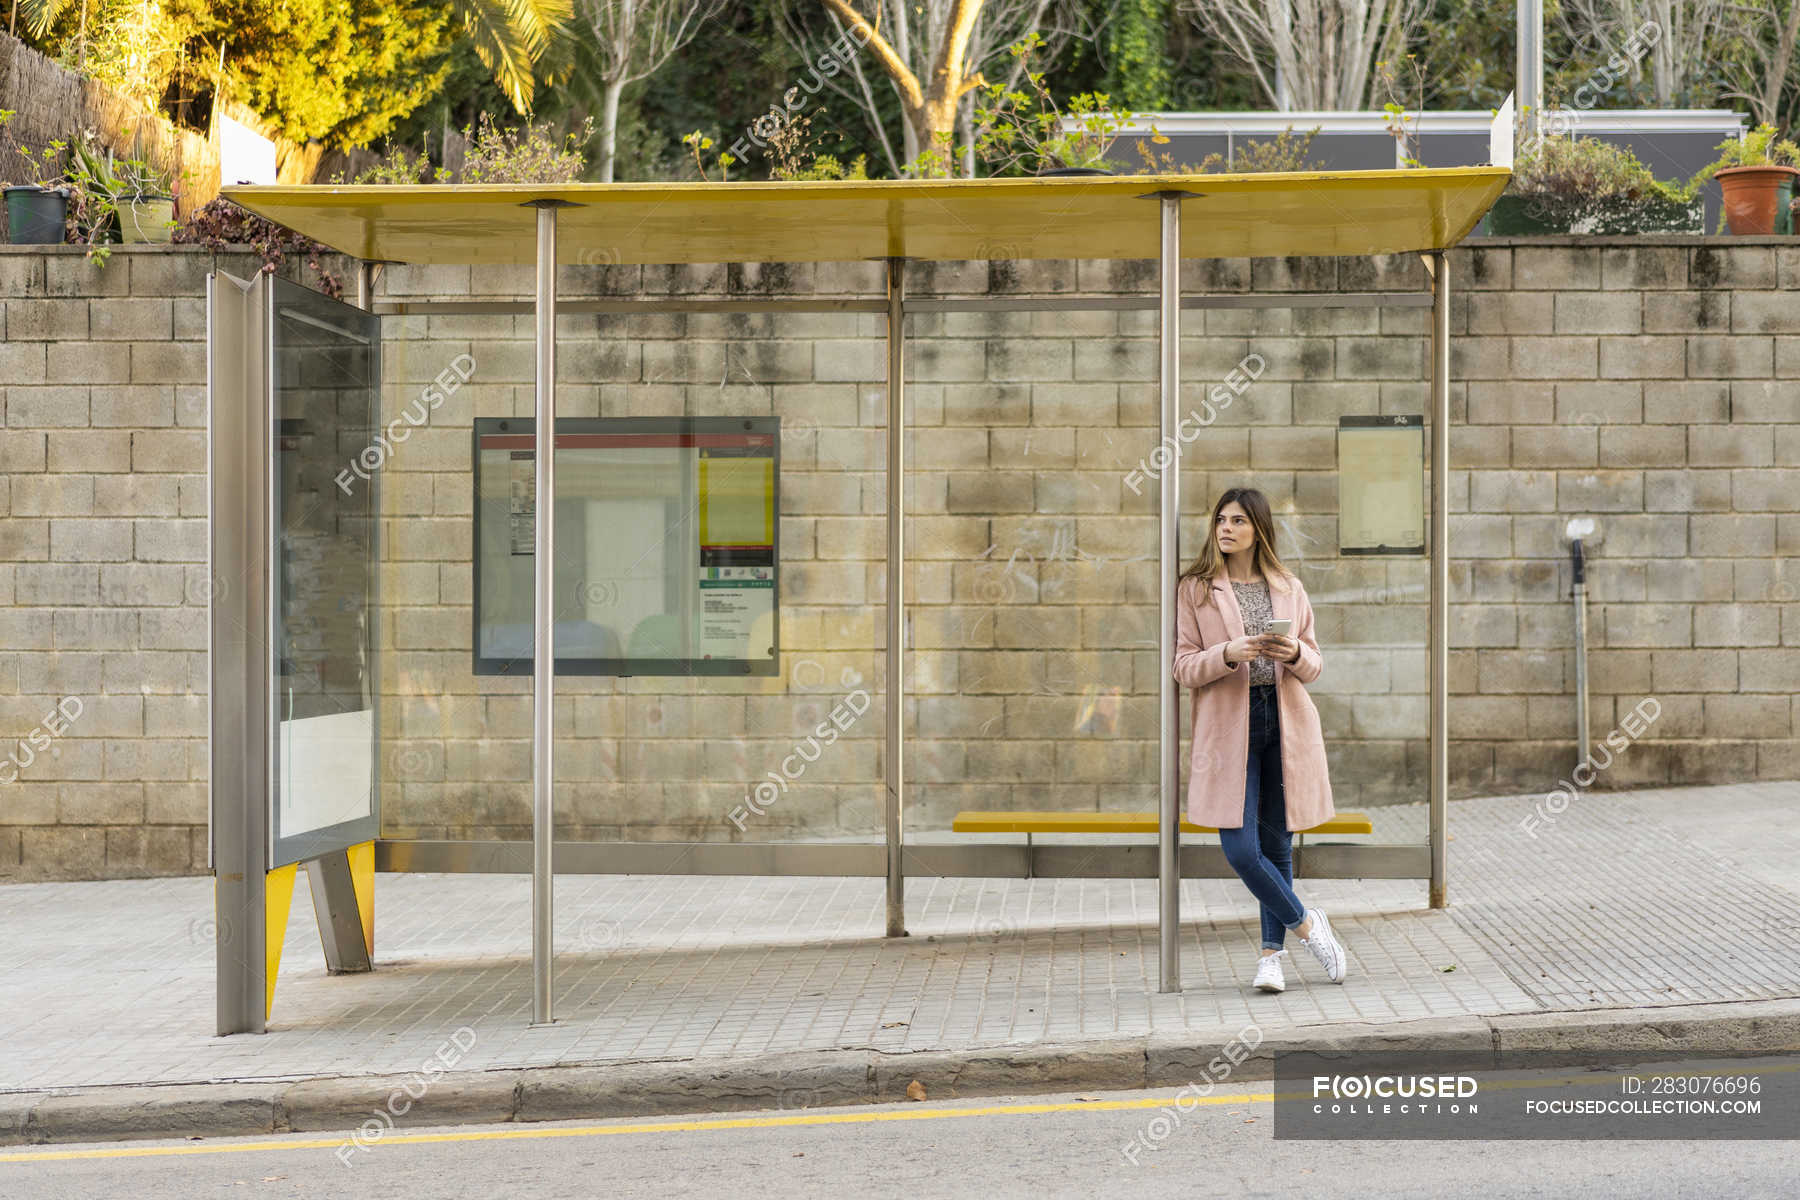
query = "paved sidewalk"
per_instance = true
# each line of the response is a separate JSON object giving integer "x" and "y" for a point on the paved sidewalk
{"x": 1623, "y": 900}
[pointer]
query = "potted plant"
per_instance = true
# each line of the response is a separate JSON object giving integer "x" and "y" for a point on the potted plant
{"x": 1584, "y": 185}
{"x": 36, "y": 210}
{"x": 119, "y": 199}
{"x": 1756, "y": 179}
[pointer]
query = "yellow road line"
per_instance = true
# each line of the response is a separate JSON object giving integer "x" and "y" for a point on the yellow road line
{"x": 484, "y": 1135}
{"x": 1182, "y": 1100}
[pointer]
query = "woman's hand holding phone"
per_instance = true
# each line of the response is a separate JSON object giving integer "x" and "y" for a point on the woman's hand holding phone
{"x": 1242, "y": 649}
{"x": 1269, "y": 645}
{"x": 1281, "y": 649}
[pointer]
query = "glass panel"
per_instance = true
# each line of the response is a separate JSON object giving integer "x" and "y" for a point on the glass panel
{"x": 1268, "y": 389}
{"x": 456, "y": 759}
{"x": 1032, "y": 569}
{"x": 325, "y": 372}
{"x": 665, "y": 545}
{"x": 645, "y": 757}
{"x": 795, "y": 754}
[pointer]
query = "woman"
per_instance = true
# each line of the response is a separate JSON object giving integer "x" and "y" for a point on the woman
{"x": 1258, "y": 762}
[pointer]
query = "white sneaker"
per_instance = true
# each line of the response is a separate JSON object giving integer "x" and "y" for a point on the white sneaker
{"x": 1325, "y": 947}
{"x": 1268, "y": 973}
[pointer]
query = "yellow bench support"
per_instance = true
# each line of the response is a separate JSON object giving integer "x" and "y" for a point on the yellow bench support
{"x": 1025, "y": 821}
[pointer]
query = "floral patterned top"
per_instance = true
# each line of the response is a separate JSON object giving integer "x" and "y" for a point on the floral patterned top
{"x": 1253, "y": 602}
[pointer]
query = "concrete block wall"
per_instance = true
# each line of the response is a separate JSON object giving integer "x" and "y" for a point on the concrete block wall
{"x": 1649, "y": 383}
{"x": 103, "y": 547}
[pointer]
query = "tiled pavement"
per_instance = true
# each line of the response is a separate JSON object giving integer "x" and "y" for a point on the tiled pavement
{"x": 1624, "y": 899}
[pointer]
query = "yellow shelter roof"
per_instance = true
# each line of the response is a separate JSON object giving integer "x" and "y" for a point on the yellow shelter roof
{"x": 1098, "y": 217}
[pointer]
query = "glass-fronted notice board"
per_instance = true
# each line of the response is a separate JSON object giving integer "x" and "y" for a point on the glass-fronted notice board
{"x": 667, "y": 554}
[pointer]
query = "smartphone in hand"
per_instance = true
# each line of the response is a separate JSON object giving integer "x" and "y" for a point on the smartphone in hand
{"x": 1282, "y": 626}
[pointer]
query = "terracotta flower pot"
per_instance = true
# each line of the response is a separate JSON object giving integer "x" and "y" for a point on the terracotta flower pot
{"x": 1757, "y": 198}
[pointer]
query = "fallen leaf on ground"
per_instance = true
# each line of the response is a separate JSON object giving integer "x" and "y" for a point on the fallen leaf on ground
{"x": 893, "y": 1024}
{"x": 915, "y": 1090}
{"x": 1087, "y": 1097}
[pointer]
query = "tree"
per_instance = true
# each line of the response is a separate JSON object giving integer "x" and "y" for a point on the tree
{"x": 1758, "y": 73}
{"x": 1139, "y": 75}
{"x": 1681, "y": 39}
{"x": 932, "y": 53}
{"x": 1312, "y": 55}
{"x": 632, "y": 40}
{"x": 384, "y": 59}
{"x": 510, "y": 37}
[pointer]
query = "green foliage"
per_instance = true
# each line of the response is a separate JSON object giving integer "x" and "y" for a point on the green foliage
{"x": 510, "y": 37}
{"x": 936, "y": 161}
{"x": 1469, "y": 53}
{"x": 44, "y": 165}
{"x": 1025, "y": 133}
{"x": 529, "y": 155}
{"x": 1758, "y": 148}
{"x": 1402, "y": 81}
{"x": 1286, "y": 151}
{"x": 698, "y": 143}
{"x": 1140, "y": 74}
{"x": 1584, "y": 185}
{"x": 793, "y": 157}
{"x": 1582, "y": 168}
{"x": 397, "y": 165}
{"x": 341, "y": 72}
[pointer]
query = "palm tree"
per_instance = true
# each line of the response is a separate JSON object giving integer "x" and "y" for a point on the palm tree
{"x": 510, "y": 37}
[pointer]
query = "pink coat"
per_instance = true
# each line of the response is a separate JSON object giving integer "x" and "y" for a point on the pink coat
{"x": 1221, "y": 703}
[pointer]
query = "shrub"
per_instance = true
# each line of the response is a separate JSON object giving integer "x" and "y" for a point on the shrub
{"x": 221, "y": 224}
{"x": 1586, "y": 185}
{"x": 530, "y": 155}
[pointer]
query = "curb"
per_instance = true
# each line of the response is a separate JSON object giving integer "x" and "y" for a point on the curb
{"x": 366, "y": 1108}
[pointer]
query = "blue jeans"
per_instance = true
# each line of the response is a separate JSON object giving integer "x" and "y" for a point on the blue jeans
{"x": 1261, "y": 852}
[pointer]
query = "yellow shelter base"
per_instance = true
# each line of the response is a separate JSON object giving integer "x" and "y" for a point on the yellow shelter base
{"x": 362, "y": 878}
{"x": 278, "y": 898}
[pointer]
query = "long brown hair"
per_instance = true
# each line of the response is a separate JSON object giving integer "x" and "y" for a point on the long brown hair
{"x": 1211, "y": 563}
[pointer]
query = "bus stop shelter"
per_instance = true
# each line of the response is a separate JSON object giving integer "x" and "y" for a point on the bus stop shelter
{"x": 270, "y": 751}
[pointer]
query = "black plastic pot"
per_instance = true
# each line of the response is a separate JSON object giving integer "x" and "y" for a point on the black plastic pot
{"x": 1075, "y": 171}
{"x": 35, "y": 216}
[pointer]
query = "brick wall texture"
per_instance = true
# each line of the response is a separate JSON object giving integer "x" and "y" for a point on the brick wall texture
{"x": 1648, "y": 383}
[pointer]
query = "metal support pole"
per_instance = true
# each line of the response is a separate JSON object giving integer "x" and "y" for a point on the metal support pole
{"x": 896, "y": 574}
{"x": 1579, "y": 593}
{"x": 340, "y": 922}
{"x": 1439, "y": 653}
{"x": 365, "y": 283}
{"x": 238, "y": 455}
{"x": 543, "y": 666}
{"x": 1168, "y": 846}
{"x": 1528, "y": 66}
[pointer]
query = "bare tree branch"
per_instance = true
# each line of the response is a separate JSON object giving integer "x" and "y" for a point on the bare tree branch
{"x": 1314, "y": 55}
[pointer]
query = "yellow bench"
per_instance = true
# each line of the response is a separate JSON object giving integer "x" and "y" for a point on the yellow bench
{"x": 1029, "y": 822}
